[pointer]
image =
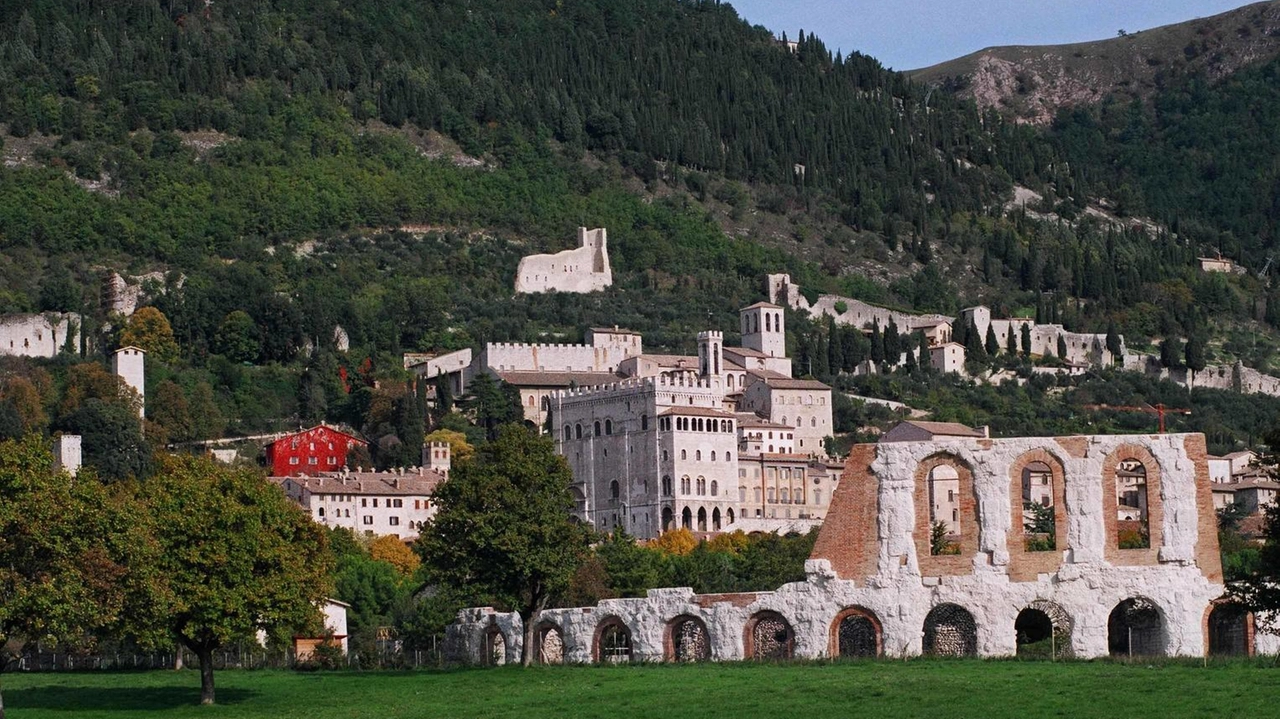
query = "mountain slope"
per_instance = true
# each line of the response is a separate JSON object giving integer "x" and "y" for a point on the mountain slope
{"x": 1032, "y": 83}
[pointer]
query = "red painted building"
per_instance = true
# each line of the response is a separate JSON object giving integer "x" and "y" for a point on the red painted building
{"x": 319, "y": 449}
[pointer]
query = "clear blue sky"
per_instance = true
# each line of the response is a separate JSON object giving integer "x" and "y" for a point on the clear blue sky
{"x": 908, "y": 34}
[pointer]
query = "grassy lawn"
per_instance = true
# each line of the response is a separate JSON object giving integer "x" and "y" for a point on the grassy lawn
{"x": 883, "y": 689}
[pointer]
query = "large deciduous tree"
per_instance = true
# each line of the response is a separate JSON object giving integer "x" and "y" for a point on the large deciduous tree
{"x": 504, "y": 528}
{"x": 65, "y": 549}
{"x": 149, "y": 329}
{"x": 236, "y": 556}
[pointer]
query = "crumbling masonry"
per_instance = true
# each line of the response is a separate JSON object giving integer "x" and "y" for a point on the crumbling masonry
{"x": 881, "y": 583}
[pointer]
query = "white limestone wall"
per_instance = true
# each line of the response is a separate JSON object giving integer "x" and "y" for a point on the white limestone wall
{"x": 129, "y": 363}
{"x": 38, "y": 335}
{"x": 857, "y": 313}
{"x": 584, "y": 269}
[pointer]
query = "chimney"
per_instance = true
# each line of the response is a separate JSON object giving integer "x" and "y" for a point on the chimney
{"x": 986, "y": 431}
{"x": 436, "y": 457}
{"x": 395, "y": 483}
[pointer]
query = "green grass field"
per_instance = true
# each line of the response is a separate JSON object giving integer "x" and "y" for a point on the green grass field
{"x": 884, "y": 689}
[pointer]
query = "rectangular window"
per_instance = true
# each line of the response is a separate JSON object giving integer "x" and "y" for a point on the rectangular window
{"x": 313, "y": 460}
{"x": 293, "y": 460}
{"x": 368, "y": 519}
{"x": 375, "y": 502}
{"x": 333, "y": 460}
{"x": 393, "y": 521}
{"x": 364, "y": 502}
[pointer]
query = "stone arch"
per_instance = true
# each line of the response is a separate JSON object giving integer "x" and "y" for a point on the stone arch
{"x": 550, "y": 646}
{"x": 856, "y": 632}
{"x": 668, "y": 519}
{"x": 965, "y": 541}
{"x": 769, "y": 635}
{"x": 612, "y": 642}
{"x": 495, "y": 647}
{"x": 1043, "y": 628}
{"x": 715, "y": 519}
{"x": 702, "y": 519}
{"x": 1112, "y": 486}
{"x": 1229, "y": 629}
{"x": 949, "y": 631}
{"x": 686, "y": 639}
{"x": 1135, "y": 628}
{"x": 1034, "y": 553}
{"x": 686, "y": 518}
{"x": 730, "y": 515}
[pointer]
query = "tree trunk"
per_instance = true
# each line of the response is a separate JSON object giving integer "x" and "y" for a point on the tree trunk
{"x": 206, "y": 676}
{"x": 177, "y": 659}
{"x": 526, "y": 655}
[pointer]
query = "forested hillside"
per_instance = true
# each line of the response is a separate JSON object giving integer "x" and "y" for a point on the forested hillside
{"x": 265, "y": 154}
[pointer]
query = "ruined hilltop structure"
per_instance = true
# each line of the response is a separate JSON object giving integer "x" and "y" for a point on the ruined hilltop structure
{"x": 1122, "y": 560}
{"x": 584, "y": 269}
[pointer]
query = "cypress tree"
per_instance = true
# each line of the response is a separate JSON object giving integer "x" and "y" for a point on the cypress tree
{"x": 1026, "y": 340}
{"x": 926, "y": 358}
{"x": 1062, "y": 347}
{"x": 992, "y": 344}
{"x": 877, "y": 343}
{"x": 1011, "y": 344}
{"x": 892, "y": 343}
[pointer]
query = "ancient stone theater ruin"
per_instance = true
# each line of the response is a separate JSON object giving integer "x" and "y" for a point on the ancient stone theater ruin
{"x": 1080, "y": 546}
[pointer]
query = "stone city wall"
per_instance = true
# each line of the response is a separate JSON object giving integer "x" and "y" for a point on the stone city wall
{"x": 32, "y": 335}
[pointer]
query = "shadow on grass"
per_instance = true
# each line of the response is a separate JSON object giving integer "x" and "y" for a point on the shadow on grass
{"x": 79, "y": 699}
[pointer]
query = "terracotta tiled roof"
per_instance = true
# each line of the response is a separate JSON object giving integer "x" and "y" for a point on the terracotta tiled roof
{"x": 946, "y": 429}
{"x": 777, "y": 380}
{"x": 368, "y": 483}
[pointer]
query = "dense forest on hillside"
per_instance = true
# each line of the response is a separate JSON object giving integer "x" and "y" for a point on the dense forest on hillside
{"x": 266, "y": 154}
{"x": 1197, "y": 157}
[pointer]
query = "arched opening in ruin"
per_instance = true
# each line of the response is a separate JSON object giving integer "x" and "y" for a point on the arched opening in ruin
{"x": 1135, "y": 629}
{"x": 730, "y": 515}
{"x": 1043, "y": 629}
{"x": 1039, "y": 521}
{"x": 613, "y": 642}
{"x": 855, "y": 633}
{"x": 702, "y": 519}
{"x": 668, "y": 519}
{"x": 1229, "y": 630}
{"x": 1133, "y": 529}
{"x": 550, "y": 644}
{"x": 949, "y": 631}
{"x": 944, "y": 510}
{"x": 687, "y": 640}
{"x": 769, "y": 636}
{"x": 495, "y": 647}
{"x": 715, "y": 519}
{"x": 686, "y": 518}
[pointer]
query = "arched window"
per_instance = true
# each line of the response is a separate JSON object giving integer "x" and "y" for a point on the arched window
{"x": 769, "y": 636}
{"x": 668, "y": 519}
{"x": 715, "y": 519}
{"x": 613, "y": 642}
{"x": 813, "y": 421}
{"x": 698, "y": 455}
{"x": 644, "y": 422}
{"x": 715, "y": 488}
{"x": 597, "y": 428}
{"x": 702, "y": 519}
{"x": 666, "y": 486}
{"x": 608, "y": 426}
{"x": 730, "y": 382}
{"x": 686, "y": 485}
{"x": 1133, "y": 529}
{"x": 728, "y": 456}
{"x": 320, "y": 512}
{"x": 702, "y": 485}
{"x": 665, "y": 456}
{"x": 684, "y": 454}
{"x": 784, "y": 419}
{"x": 577, "y": 431}
{"x": 568, "y": 432}
{"x": 530, "y": 403}
{"x": 949, "y": 631}
{"x": 686, "y": 518}
{"x": 613, "y": 489}
{"x": 730, "y": 515}
{"x": 713, "y": 455}
{"x": 1136, "y": 629}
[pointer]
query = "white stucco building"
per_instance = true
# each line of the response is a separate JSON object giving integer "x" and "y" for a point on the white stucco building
{"x": 372, "y": 503}
{"x": 39, "y": 335}
{"x": 583, "y": 269}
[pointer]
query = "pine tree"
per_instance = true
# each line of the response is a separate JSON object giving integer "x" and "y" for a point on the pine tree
{"x": 1195, "y": 352}
{"x": 1170, "y": 352}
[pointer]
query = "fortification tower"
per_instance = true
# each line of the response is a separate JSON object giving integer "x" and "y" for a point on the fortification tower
{"x": 436, "y": 456}
{"x": 710, "y": 353}
{"x": 763, "y": 329}
{"x": 129, "y": 364}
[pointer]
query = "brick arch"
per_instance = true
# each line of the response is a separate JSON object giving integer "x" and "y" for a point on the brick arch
{"x": 1025, "y": 565}
{"x": 1249, "y": 628}
{"x": 598, "y": 651}
{"x": 1155, "y": 508}
{"x": 946, "y": 565}
{"x": 833, "y": 648}
{"x": 548, "y": 635}
{"x": 1137, "y": 626}
{"x": 780, "y": 646}
{"x": 675, "y": 633}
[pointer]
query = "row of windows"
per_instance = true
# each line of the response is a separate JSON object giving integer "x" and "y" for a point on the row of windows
{"x": 698, "y": 424}
{"x": 688, "y": 486}
{"x": 813, "y": 421}
{"x": 774, "y": 473}
{"x": 364, "y": 501}
{"x": 314, "y": 460}
{"x": 760, "y": 435}
{"x": 782, "y": 399}
{"x": 366, "y": 519}
{"x": 697, "y": 455}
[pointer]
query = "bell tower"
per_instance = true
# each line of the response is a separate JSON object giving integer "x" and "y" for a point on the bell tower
{"x": 763, "y": 329}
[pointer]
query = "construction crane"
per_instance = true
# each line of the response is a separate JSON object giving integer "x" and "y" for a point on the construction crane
{"x": 1159, "y": 410}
